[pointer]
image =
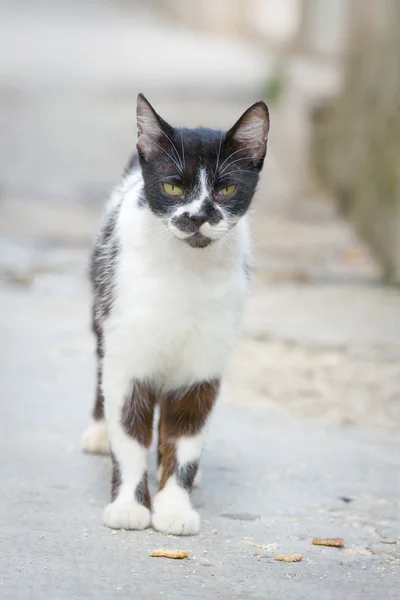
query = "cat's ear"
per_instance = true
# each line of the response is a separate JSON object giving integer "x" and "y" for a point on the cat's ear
{"x": 250, "y": 132}
{"x": 151, "y": 128}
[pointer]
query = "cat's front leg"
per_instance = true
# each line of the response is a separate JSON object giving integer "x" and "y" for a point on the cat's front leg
{"x": 129, "y": 413}
{"x": 183, "y": 416}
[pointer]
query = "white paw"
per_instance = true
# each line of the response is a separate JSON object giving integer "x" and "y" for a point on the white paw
{"x": 126, "y": 515}
{"x": 95, "y": 438}
{"x": 173, "y": 513}
{"x": 177, "y": 523}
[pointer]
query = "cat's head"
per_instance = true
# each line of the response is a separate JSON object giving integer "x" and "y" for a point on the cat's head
{"x": 200, "y": 182}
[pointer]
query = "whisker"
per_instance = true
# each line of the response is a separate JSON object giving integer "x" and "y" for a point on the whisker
{"x": 183, "y": 152}
{"x": 162, "y": 179}
{"x": 236, "y": 151}
{"x": 228, "y": 212}
{"x": 239, "y": 171}
{"x": 173, "y": 146}
{"x": 168, "y": 236}
{"x": 230, "y": 238}
{"x": 219, "y": 154}
{"x": 143, "y": 119}
{"x": 165, "y": 152}
{"x": 157, "y": 235}
{"x": 258, "y": 242}
{"x": 235, "y": 161}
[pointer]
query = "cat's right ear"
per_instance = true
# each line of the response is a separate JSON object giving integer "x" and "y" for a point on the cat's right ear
{"x": 151, "y": 128}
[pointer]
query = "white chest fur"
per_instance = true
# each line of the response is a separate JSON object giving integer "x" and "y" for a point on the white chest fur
{"x": 177, "y": 309}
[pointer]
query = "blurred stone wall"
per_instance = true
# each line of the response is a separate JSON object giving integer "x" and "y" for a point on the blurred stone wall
{"x": 314, "y": 26}
{"x": 358, "y": 144}
{"x": 274, "y": 21}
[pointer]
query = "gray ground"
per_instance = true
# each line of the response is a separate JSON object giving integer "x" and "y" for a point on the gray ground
{"x": 304, "y": 442}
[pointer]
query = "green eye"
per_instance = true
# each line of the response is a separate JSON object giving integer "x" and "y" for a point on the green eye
{"x": 171, "y": 189}
{"x": 228, "y": 190}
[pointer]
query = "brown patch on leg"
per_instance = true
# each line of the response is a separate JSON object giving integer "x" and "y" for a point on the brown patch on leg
{"x": 138, "y": 412}
{"x": 168, "y": 461}
{"x": 137, "y": 421}
{"x": 183, "y": 413}
{"x": 159, "y": 455}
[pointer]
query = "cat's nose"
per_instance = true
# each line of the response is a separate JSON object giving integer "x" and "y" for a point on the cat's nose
{"x": 199, "y": 219}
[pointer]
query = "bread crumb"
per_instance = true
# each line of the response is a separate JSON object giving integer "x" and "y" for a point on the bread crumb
{"x": 335, "y": 542}
{"x": 288, "y": 557}
{"x": 165, "y": 553}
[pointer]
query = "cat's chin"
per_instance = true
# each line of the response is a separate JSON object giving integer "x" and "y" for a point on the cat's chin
{"x": 198, "y": 241}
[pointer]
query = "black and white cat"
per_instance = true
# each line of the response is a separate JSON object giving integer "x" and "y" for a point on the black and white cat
{"x": 170, "y": 279}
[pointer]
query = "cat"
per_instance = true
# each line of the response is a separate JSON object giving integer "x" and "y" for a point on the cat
{"x": 170, "y": 276}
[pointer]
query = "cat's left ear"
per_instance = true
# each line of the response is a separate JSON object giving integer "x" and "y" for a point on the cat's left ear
{"x": 152, "y": 129}
{"x": 251, "y": 131}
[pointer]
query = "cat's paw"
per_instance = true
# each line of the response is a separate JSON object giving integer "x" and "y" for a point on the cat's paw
{"x": 176, "y": 523}
{"x": 126, "y": 515}
{"x": 173, "y": 513}
{"x": 95, "y": 438}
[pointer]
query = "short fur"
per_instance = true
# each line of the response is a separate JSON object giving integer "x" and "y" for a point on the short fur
{"x": 170, "y": 278}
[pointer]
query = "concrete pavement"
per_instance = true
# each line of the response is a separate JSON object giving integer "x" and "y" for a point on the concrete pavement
{"x": 271, "y": 483}
{"x": 304, "y": 442}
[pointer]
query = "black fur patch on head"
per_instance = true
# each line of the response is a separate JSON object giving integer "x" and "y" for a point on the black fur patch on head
{"x": 176, "y": 155}
{"x": 208, "y": 213}
{"x": 211, "y": 212}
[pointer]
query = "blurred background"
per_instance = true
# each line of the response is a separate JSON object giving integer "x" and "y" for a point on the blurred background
{"x": 305, "y": 441}
{"x": 326, "y": 222}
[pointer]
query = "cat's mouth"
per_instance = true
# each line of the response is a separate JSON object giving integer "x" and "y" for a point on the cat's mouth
{"x": 198, "y": 240}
